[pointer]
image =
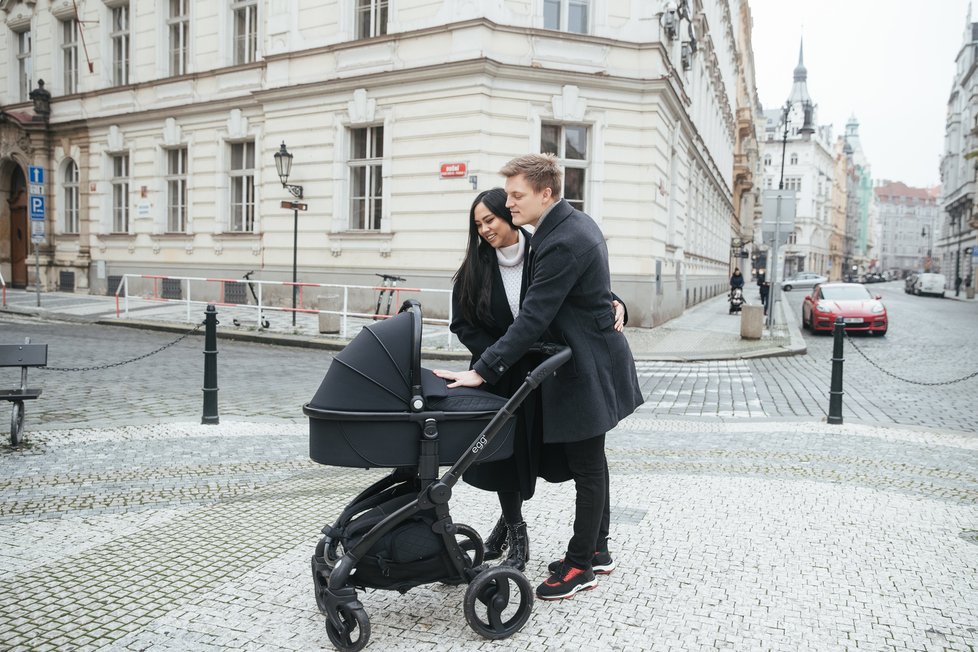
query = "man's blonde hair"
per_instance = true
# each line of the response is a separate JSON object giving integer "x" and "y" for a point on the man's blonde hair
{"x": 540, "y": 171}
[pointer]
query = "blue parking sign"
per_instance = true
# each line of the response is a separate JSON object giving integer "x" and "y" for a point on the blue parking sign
{"x": 35, "y": 174}
{"x": 37, "y": 207}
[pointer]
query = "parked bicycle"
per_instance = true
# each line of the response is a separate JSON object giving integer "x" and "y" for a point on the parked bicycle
{"x": 389, "y": 286}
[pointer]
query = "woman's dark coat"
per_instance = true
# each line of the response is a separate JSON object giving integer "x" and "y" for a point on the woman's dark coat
{"x": 518, "y": 473}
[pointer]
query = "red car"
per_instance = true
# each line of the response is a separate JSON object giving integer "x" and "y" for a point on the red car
{"x": 860, "y": 310}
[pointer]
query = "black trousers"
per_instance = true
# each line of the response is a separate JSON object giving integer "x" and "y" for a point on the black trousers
{"x": 592, "y": 516}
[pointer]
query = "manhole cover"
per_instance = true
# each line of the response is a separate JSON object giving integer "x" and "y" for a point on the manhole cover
{"x": 971, "y": 536}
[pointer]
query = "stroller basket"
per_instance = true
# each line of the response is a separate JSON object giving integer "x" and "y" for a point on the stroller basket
{"x": 375, "y": 401}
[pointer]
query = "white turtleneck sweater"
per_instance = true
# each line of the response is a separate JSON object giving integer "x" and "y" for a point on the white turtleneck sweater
{"x": 511, "y": 269}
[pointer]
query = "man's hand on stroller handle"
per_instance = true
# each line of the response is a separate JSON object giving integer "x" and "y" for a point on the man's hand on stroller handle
{"x": 470, "y": 378}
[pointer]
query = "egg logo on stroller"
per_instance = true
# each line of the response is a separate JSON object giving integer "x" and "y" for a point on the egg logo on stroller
{"x": 479, "y": 445}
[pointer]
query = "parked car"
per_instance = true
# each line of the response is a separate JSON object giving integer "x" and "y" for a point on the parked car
{"x": 908, "y": 283}
{"x": 874, "y": 277}
{"x": 928, "y": 283}
{"x": 802, "y": 280}
{"x": 860, "y": 310}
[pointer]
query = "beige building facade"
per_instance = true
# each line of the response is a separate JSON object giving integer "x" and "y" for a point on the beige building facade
{"x": 164, "y": 119}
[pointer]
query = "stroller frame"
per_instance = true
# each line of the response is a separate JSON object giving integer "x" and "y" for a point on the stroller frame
{"x": 490, "y": 591}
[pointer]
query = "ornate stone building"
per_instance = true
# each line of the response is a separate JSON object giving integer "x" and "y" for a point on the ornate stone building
{"x": 806, "y": 163}
{"x": 164, "y": 119}
{"x": 958, "y": 236}
{"x": 908, "y": 219}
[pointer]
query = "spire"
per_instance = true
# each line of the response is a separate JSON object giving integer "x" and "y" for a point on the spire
{"x": 801, "y": 73}
{"x": 799, "y": 91}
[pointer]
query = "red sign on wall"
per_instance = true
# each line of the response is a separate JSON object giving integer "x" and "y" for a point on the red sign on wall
{"x": 453, "y": 170}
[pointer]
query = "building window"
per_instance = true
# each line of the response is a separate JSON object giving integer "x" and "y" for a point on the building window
{"x": 24, "y": 64}
{"x": 178, "y": 27}
{"x": 242, "y": 174}
{"x": 792, "y": 183}
{"x": 371, "y": 18}
{"x": 176, "y": 190}
{"x": 794, "y": 159}
{"x": 71, "y": 196}
{"x": 120, "y": 44}
{"x": 566, "y": 15}
{"x": 570, "y": 144}
{"x": 366, "y": 182}
{"x": 245, "y": 14}
{"x": 69, "y": 54}
{"x": 767, "y": 159}
{"x": 120, "y": 193}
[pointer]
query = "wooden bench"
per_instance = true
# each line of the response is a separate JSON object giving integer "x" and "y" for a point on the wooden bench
{"x": 23, "y": 356}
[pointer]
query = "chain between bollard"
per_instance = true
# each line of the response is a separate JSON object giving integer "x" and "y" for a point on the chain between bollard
{"x": 125, "y": 362}
{"x": 907, "y": 380}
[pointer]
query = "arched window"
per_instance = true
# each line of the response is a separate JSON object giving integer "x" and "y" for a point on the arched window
{"x": 71, "y": 198}
{"x": 794, "y": 159}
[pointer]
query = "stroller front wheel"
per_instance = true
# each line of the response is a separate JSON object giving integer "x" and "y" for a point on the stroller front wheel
{"x": 498, "y": 602}
{"x": 355, "y": 626}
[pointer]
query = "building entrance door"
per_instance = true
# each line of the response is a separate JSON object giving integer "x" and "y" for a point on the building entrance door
{"x": 19, "y": 240}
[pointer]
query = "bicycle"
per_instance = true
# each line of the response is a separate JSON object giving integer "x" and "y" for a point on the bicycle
{"x": 388, "y": 285}
{"x": 251, "y": 286}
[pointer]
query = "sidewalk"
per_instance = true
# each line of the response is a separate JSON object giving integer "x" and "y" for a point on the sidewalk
{"x": 703, "y": 332}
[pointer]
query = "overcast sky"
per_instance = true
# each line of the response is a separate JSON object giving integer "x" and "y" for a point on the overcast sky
{"x": 888, "y": 62}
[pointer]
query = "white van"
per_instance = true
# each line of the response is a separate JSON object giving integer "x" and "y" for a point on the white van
{"x": 930, "y": 284}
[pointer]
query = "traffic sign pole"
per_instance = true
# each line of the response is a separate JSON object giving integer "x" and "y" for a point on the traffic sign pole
{"x": 35, "y": 174}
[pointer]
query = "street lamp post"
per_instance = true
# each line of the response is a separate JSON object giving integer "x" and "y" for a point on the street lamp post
{"x": 283, "y": 165}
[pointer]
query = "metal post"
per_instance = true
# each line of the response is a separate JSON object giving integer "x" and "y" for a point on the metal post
{"x": 835, "y": 390}
{"x": 295, "y": 254}
{"x": 210, "y": 366}
{"x": 37, "y": 272}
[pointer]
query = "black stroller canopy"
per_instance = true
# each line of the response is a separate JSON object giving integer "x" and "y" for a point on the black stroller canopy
{"x": 373, "y": 372}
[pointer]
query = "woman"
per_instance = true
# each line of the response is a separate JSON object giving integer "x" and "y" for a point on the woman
{"x": 488, "y": 289}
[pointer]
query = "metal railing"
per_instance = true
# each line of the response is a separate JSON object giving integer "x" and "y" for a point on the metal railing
{"x": 201, "y": 291}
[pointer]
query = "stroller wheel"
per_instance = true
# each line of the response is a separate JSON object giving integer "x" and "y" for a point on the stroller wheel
{"x": 498, "y": 602}
{"x": 356, "y": 629}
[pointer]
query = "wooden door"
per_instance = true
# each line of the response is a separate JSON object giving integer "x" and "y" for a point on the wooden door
{"x": 20, "y": 237}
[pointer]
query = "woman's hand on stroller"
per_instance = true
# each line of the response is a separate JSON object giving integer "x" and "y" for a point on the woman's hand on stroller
{"x": 470, "y": 378}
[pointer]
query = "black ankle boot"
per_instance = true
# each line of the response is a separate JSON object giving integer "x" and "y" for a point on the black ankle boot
{"x": 495, "y": 543}
{"x": 519, "y": 546}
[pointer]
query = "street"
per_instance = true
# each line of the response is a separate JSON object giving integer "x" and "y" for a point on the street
{"x": 928, "y": 341}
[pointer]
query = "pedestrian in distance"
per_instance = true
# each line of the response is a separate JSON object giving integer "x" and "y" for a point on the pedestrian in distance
{"x": 765, "y": 293}
{"x": 736, "y": 279}
{"x": 567, "y": 300}
{"x": 957, "y": 285}
{"x": 488, "y": 288}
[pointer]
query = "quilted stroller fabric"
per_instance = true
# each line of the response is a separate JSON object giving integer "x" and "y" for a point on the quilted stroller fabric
{"x": 370, "y": 409}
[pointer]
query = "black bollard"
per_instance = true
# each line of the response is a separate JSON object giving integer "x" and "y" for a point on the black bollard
{"x": 835, "y": 391}
{"x": 210, "y": 366}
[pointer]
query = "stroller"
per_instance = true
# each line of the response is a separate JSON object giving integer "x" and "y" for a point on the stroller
{"x": 377, "y": 408}
{"x": 736, "y": 299}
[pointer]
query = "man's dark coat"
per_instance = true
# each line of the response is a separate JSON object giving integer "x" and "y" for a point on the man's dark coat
{"x": 568, "y": 300}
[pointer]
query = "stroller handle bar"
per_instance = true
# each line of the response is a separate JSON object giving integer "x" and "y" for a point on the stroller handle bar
{"x": 557, "y": 356}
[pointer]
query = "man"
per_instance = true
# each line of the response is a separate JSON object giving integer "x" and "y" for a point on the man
{"x": 567, "y": 301}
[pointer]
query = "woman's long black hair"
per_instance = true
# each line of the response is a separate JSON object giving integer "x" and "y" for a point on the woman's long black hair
{"x": 473, "y": 280}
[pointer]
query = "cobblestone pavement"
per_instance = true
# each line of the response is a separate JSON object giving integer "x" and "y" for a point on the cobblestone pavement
{"x": 775, "y": 536}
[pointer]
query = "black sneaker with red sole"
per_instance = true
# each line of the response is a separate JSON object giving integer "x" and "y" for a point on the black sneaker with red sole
{"x": 565, "y": 582}
{"x": 601, "y": 563}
